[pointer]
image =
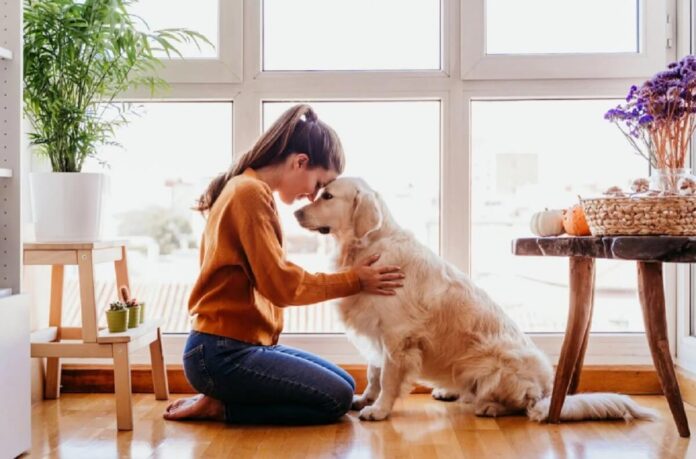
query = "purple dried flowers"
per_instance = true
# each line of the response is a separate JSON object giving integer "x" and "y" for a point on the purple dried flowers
{"x": 658, "y": 117}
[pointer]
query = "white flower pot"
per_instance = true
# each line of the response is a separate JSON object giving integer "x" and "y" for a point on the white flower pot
{"x": 67, "y": 206}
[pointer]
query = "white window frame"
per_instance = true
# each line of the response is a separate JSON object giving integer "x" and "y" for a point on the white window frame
{"x": 686, "y": 275}
{"x": 477, "y": 65}
{"x": 686, "y": 342}
{"x": 227, "y": 67}
{"x": 455, "y": 95}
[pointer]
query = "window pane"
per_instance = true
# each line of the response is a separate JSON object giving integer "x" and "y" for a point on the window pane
{"x": 351, "y": 34}
{"x": 200, "y": 16}
{"x": 692, "y": 296}
{"x": 404, "y": 169}
{"x": 169, "y": 155}
{"x": 529, "y": 155}
{"x": 561, "y": 26}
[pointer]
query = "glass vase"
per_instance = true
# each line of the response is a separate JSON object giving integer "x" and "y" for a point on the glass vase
{"x": 667, "y": 180}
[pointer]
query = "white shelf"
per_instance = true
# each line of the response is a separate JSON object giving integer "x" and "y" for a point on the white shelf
{"x": 15, "y": 351}
{"x": 15, "y": 397}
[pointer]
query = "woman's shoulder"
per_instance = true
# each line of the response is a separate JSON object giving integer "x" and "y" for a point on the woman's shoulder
{"x": 249, "y": 187}
{"x": 247, "y": 192}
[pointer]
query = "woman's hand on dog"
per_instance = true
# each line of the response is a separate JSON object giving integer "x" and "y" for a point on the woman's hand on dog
{"x": 381, "y": 280}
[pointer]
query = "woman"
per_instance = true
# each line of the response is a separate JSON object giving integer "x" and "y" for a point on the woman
{"x": 231, "y": 355}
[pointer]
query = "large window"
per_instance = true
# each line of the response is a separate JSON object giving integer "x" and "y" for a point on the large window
{"x": 550, "y": 39}
{"x": 551, "y": 152}
{"x": 351, "y": 35}
{"x": 167, "y": 157}
{"x": 404, "y": 169}
{"x": 515, "y": 27}
{"x": 686, "y": 274}
{"x": 201, "y": 16}
{"x": 467, "y": 116}
{"x": 219, "y": 21}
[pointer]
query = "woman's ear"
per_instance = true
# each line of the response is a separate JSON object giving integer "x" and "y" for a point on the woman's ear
{"x": 300, "y": 160}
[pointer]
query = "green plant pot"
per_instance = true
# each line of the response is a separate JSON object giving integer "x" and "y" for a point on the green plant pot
{"x": 142, "y": 312}
{"x": 117, "y": 320}
{"x": 133, "y": 316}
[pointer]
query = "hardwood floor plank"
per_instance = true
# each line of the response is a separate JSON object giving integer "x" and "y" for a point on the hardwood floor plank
{"x": 84, "y": 425}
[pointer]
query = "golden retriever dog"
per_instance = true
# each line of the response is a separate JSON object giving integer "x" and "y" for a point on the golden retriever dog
{"x": 439, "y": 329}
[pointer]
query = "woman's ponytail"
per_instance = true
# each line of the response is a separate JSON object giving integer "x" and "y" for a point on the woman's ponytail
{"x": 298, "y": 130}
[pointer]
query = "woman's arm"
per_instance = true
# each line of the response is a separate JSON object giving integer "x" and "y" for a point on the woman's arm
{"x": 281, "y": 281}
{"x": 285, "y": 283}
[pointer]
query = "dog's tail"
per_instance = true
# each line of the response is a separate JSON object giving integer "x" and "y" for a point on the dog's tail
{"x": 597, "y": 405}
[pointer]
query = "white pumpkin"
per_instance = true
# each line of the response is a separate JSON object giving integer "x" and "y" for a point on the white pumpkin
{"x": 547, "y": 223}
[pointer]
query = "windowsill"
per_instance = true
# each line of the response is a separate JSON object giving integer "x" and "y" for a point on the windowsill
{"x": 603, "y": 349}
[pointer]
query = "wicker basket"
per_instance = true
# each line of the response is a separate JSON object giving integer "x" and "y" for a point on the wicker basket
{"x": 657, "y": 215}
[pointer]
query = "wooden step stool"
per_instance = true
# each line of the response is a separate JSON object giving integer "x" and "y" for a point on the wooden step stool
{"x": 89, "y": 341}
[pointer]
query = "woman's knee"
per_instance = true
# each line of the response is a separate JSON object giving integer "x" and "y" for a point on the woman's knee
{"x": 342, "y": 399}
{"x": 351, "y": 381}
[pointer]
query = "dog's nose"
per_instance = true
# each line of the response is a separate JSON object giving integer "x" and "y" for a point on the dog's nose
{"x": 299, "y": 214}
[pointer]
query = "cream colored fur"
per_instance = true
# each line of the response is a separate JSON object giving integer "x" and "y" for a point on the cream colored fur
{"x": 440, "y": 329}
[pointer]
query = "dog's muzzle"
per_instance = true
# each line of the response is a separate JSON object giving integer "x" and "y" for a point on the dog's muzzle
{"x": 300, "y": 216}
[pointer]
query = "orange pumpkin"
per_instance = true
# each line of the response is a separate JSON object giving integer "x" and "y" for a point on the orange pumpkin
{"x": 574, "y": 221}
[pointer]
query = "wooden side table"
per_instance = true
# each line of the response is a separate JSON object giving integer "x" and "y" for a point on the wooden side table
{"x": 649, "y": 252}
{"x": 88, "y": 341}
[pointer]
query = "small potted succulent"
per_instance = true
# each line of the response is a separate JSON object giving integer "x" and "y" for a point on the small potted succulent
{"x": 117, "y": 317}
{"x": 133, "y": 306}
{"x": 132, "y": 302}
{"x": 142, "y": 312}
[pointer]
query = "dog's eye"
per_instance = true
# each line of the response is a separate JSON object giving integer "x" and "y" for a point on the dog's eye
{"x": 326, "y": 195}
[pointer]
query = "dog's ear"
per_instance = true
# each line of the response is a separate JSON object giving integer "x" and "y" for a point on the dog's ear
{"x": 367, "y": 216}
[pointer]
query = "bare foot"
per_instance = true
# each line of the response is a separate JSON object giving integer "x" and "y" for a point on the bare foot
{"x": 197, "y": 407}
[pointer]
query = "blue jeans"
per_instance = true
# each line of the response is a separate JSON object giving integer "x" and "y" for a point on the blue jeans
{"x": 266, "y": 384}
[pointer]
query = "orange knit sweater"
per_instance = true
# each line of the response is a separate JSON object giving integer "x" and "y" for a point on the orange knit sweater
{"x": 244, "y": 278}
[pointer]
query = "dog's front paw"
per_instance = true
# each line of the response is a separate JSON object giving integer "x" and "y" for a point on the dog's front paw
{"x": 360, "y": 402}
{"x": 374, "y": 413}
{"x": 444, "y": 395}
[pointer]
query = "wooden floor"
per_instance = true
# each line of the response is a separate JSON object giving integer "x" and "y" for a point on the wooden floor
{"x": 84, "y": 426}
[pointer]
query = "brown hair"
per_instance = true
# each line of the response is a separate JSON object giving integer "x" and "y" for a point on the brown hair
{"x": 298, "y": 130}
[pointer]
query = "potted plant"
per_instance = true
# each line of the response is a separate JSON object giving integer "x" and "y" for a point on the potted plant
{"x": 142, "y": 312}
{"x": 133, "y": 314}
{"x": 117, "y": 317}
{"x": 79, "y": 55}
{"x": 134, "y": 308}
{"x": 658, "y": 119}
